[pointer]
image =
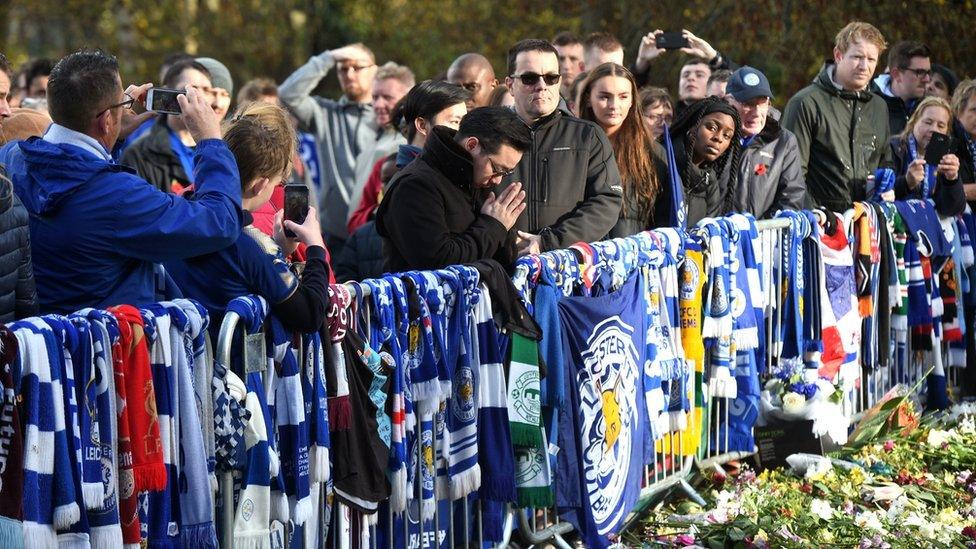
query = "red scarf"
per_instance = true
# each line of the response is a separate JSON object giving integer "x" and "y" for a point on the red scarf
{"x": 139, "y": 446}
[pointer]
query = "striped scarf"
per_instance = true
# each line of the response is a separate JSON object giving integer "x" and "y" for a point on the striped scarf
{"x": 718, "y": 323}
{"x": 11, "y": 447}
{"x": 50, "y": 499}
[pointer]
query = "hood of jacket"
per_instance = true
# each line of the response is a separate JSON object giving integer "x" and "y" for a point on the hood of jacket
{"x": 46, "y": 173}
{"x": 825, "y": 81}
{"x": 770, "y": 132}
{"x": 882, "y": 84}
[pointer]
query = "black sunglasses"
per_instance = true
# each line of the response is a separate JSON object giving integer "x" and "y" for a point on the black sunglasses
{"x": 531, "y": 78}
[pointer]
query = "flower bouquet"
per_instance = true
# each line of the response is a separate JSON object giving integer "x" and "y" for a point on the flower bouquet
{"x": 796, "y": 393}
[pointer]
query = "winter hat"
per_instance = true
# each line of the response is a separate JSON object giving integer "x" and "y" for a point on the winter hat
{"x": 747, "y": 83}
{"x": 23, "y": 123}
{"x": 219, "y": 75}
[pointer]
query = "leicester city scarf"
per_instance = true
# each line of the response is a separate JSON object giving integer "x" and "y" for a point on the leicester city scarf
{"x": 605, "y": 342}
{"x": 197, "y": 343}
{"x": 253, "y": 516}
{"x": 290, "y": 422}
{"x": 718, "y": 323}
{"x": 679, "y": 212}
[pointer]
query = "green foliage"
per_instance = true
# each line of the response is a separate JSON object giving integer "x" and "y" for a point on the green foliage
{"x": 788, "y": 39}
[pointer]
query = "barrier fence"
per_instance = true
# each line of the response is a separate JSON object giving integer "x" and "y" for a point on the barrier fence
{"x": 459, "y": 523}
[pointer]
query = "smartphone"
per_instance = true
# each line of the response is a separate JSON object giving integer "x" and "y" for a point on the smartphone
{"x": 670, "y": 41}
{"x": 164, "y": 101}
{"x": 939, "y": 145}
{"x": 296, "y": 205}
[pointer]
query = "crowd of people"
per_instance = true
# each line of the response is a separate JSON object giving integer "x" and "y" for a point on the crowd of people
{"x": 104, "y": 202}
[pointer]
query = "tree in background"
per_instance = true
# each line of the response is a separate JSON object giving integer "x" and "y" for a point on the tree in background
{"x": 787, "y": 39}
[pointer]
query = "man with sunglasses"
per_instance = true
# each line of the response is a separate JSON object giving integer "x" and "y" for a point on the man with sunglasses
{"x": 440, "y": 209}
{"x": 97, "y": 230}
{"x": 909, "y": 71}
{"x": 473, "y": 72}
{"x": 569, "y": 174}
{"x": 343, "y": 129}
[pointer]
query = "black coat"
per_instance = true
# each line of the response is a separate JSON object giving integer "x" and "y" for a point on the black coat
{"x": 362, "y": 255}
{"x": 430, "y": 217}
{"x": 151, "y": 156}
{"x": 949, "y": 197}
{"x": 18, "y": 296}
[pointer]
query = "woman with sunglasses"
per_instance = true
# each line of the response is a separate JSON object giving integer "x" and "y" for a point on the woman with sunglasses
{"x": 609, "y": 97}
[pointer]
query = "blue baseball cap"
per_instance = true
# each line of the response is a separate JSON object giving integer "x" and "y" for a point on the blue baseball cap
{"x": 747, "y": 83}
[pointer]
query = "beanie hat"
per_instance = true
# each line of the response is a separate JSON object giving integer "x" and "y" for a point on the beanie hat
{"x": 23, "y": 123}
{"x": 219, "y": 75}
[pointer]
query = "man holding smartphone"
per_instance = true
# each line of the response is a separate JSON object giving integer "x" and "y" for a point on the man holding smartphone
{"x": 98, "y": 230}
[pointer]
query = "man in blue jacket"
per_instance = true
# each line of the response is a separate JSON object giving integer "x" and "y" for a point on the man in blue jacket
{"x": 97, "y": 229}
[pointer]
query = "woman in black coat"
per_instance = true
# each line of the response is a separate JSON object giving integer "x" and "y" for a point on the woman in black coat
{"x": 918, "y": 180}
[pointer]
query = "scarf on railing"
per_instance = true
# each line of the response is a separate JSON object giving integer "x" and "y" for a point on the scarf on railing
{"x": 194, "y": 488}
{"x": 791, "y": 277}
{"x": 12, "y": 445}
{"x": 253, "y": 515}
{"x": 94, "y": 363}
{"x": 290, "y": 422}
{"x": 50, "y": 500}
{"x": 462, "y": 417}
{"x": 141, "y": 465}
{"x": 718, "y": 323}
{"x": 198, "y": 348}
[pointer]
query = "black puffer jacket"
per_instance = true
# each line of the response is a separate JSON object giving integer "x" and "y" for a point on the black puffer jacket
{"x": 151, "y": 156}
{"x": 18, "y": 296}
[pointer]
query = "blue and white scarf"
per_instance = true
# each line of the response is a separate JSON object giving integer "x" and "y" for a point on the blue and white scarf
{"x": 50, "y": 499}
{"x": 104, "y": 521}
{"x": 718, "y": 320}
{"x": 252, "y": 519}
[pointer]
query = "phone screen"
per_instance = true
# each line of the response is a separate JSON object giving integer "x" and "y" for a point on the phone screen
{"x": 937, "y": 148}
{"x": 164, "y": 101}
{"x": 296, "y": 205}
{"x": 671, "y": 41}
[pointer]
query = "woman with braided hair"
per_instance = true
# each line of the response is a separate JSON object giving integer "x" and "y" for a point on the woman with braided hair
{"x": 707, "y": 143}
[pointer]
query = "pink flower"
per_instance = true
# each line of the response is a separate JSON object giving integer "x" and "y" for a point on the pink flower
{"x": 889, "y": 445}
{"x": 685, "y": 539}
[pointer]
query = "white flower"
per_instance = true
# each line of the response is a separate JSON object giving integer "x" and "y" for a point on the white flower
{"x": 897, "y": 508}
{"x": 869, "y": 520}
{"x": 822, "y": 509}
{"x": 937, "y": 438}
{"x": 794, "y": 403}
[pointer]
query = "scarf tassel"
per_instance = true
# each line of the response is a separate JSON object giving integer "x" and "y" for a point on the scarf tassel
{"x": 722, "y": 386}
{"x": 202, "y": 536}
{"x": 279, "y": 506}
{"x": 66, "y": 515}
{"x": 398, "y": 493}
{"x": 102, "y": 537}
{"x": 12, "y": 533}
{"x": 466, "y": 482}
{"x": 93, "y": 494}
{"x": 41, "y": 535}
{"x": 746, "y": 338}
{"x": 258, "y": 539}
{"x": 319, "y": 462}
{"x": 151, "y": 477}
{"x": 540, "y": 496}
{"x": 303, "y": 510}
{"x": 677, "y": 420}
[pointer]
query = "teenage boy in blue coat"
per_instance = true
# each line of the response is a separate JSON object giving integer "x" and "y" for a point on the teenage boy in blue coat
{"x": 98, "y": 230}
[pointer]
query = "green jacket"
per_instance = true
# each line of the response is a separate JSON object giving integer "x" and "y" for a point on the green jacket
{"x": 842, "y": 136}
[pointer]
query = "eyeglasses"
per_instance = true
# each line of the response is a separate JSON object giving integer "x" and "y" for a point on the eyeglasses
{"x": 531, "y": 78}
{"x": 353, "y": 68}
{"x": 125, "y": 104}
{"x": 921, "y": 73}
{"x": 495, "y": 172}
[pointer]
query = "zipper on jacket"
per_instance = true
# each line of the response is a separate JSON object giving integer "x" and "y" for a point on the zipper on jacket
{"x": 544, "y": 180}
{"x": 533, "y": 202}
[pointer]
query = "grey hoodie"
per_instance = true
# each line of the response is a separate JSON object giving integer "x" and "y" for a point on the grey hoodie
{"x": 343, "y": 130}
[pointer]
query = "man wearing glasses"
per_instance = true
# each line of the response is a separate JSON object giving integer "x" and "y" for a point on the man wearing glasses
{"x": 909, "y": 71}
{"x": 473, "y": 72}
{"x": 442, "y": 209}
{"x": 343, "y": 129}
{"x": 569, "y": 174}
{"x": 164, "y": 155}
{"x": 97, "y": 230}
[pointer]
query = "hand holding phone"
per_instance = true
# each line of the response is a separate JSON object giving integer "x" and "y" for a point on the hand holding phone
{"x": 938, "y": 146}
{"x": 164, "y": 101}
{"x": 670, "y": 41}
